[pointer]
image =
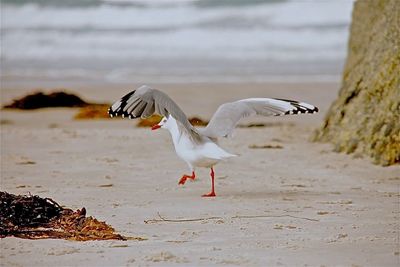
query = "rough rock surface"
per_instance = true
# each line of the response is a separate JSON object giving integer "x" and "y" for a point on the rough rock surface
{"x": 365, "y": 119}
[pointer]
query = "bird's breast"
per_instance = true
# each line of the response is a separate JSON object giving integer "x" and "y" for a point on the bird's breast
{"x": 186, "y": 149}
{"x": 199, "y": 155}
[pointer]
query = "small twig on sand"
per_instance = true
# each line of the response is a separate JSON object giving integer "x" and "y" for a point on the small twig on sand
{"x": 272, "y": 216}
{"x": 162, "y": 219}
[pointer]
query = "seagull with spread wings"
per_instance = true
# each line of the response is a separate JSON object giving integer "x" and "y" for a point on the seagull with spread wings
{"x": 198, "y": 147}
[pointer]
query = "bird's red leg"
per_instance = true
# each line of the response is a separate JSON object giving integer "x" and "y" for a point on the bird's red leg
{"x": 185, "y": 177}
{"x": 212, "y": 193}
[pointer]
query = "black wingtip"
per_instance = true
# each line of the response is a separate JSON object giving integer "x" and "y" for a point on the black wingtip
{"x": 298, "y": 108}
{"x": 127, "y": 96}
{"x": 110, "y": 112}
{"x": 286, "y": 100}
{"x": 119, "y": 110}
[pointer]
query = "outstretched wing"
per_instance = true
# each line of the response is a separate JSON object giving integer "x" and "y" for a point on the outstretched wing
{"x": 144, "y": 102}
{"x": 228, "y": 115}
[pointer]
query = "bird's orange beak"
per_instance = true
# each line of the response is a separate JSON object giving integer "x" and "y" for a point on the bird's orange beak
{"x": 155, "y": 127}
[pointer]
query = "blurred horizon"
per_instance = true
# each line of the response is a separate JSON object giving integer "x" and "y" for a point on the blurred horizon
{"x": 174, "y": 41}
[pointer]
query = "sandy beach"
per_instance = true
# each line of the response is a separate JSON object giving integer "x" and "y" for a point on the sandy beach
{"x": 298, "y": 204}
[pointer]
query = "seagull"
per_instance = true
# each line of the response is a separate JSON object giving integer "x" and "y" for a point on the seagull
{"x": 198, "y": 147}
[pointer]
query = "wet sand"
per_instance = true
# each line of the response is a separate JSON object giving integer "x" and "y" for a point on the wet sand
{"x": 295, "y": 204}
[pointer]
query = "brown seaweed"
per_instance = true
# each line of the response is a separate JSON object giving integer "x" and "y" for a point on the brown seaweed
{"x": 43, "y": 100}
{"x": 154, "y": 119}
{"x": 93, "y": 111}
{"x": 33, "y": 217}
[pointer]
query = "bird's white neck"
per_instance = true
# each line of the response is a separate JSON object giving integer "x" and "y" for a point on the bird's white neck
{"x": 172, "y": 127}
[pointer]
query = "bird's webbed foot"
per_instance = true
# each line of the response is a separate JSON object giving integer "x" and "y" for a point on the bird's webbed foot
{"x": 182, "y": 181}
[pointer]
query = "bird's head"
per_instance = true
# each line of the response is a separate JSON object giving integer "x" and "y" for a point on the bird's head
{"x": 162, "y": 124}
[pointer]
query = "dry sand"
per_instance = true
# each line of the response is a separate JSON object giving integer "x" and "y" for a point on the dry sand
{"x": 307, "y": 205}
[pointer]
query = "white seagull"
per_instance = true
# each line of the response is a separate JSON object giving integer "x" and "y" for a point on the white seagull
{"x": 199, "y": 147}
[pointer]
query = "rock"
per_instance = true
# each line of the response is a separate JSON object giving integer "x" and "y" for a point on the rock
{"x": 365, "y": 118}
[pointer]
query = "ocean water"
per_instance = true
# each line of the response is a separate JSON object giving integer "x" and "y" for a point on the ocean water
{"x": 146, "y": 41}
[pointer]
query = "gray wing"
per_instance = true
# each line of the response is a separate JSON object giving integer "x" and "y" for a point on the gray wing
{"x": 144, "y": 102}
{"x": 228, "y": 115}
